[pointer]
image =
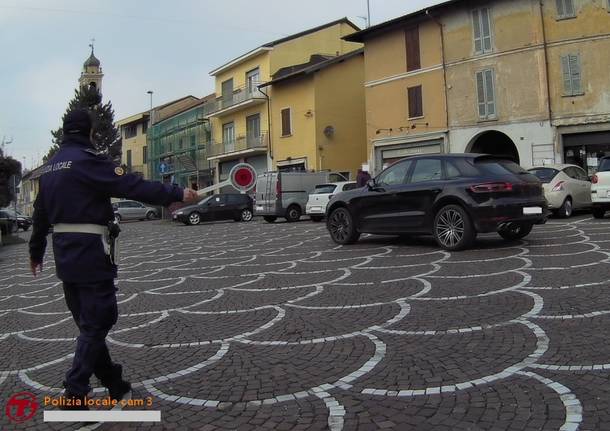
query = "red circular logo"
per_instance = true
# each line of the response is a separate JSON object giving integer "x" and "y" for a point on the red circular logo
{"x": 21, "y": 407}
{"x": 243, "y": 177}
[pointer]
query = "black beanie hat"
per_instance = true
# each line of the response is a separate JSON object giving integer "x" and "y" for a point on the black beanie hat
{"x": 77, "y": 122}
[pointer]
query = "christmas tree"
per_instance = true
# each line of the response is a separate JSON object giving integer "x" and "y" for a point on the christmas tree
{"x": 8, "y": 167}
{"x": 106, "y": 137}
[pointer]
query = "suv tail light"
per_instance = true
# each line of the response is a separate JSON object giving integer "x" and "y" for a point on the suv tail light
{"x": 278, "y": 189}
{"x": 594, "y": 180}
{"x": 492, "y": 188}
{"x": 559, "y": 186}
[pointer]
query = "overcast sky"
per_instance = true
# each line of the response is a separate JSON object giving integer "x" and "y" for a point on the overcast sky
{"x": 166, "y": 46}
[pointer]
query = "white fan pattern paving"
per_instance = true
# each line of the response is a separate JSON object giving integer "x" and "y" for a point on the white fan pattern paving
{"x": 250, "y": 325}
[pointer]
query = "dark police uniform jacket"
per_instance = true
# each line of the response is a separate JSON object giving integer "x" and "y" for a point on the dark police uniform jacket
{"x": 76, "y": 187}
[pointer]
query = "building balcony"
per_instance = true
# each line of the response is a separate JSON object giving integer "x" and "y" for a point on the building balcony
{"x": 241, "y": 145}
{"x": 240, "y": 98}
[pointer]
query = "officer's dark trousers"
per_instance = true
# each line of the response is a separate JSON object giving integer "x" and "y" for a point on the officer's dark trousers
{"x": 94, "y": 308}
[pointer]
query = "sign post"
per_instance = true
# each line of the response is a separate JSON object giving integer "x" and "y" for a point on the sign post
{"x": 242, "y": 178}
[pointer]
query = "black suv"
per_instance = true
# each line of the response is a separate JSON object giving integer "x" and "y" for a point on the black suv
{"x": 451, "y": 196}
{"x": 229, "y": 206}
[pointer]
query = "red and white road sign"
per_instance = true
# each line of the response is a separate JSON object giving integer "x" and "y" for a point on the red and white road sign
{"x": 243, "y": 177}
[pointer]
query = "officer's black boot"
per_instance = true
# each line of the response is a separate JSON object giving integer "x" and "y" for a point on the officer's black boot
{"x": 111, "y": 377}
{"x": 118, "y": 389}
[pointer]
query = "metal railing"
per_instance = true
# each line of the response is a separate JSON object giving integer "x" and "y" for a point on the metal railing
{"x": 238, "y": 95}
{"x": 240, "y": 143}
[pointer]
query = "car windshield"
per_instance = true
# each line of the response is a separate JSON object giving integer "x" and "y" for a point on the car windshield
{"x": 545, "y": 175}
{"x": 499, "y": 167}
{"x": 325, "y": 188}
{"x": 206, "y": 200}
{"x": 604, "y": 165}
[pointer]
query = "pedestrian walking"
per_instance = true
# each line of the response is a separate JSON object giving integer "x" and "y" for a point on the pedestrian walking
{"x": 74, "y": 199}
{"x": 362, "y": 178}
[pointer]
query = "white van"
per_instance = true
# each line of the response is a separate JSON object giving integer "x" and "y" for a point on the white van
{"x": 285, "y": 194}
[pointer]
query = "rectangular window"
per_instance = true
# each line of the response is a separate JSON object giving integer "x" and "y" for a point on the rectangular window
{"x": 572, "y": 81}
{"x": 253, "y": 78}
{"x": 180, "y": 143}
{"x": 144, "y": 127}
{"x": 227, "y": 90}
{"x": 412, "y": 44}
{"x": 253, "y": 129}
{"x": 286, "y": 123}
{"x": 416, "y": 106}
{"x": 144, "y": 155}
{"x": 130, "y": 131}
{"x": 129, "y": 159}
{"x": 565, "y": 9}
{"x": 228, "y": 136}
{"x": 481, "y": 25}
{"x": 486, "y": 94}
{"x": 193, "y": 140}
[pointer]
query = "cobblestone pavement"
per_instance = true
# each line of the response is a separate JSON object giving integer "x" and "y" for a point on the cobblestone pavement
{"x": 259, "y": 326}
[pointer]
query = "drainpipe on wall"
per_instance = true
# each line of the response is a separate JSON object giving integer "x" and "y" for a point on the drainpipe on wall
{"x": 269, "y": 146}
{"x": 546, "y": 63}
{"x": 548, "y": 84}
{"x": 440, "y": 26}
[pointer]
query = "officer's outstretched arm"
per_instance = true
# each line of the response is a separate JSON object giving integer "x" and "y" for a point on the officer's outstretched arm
{"x": 40, "y": 230}
{"x": 107, "y": 178}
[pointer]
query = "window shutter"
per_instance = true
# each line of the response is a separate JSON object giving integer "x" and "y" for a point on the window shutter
{"x": 490, "y": 93}
{"x": 481, "y": 94}
{"x": 416, "y": 108}
{"x": 575, "y": 75}
{"x": 412, "y": 45}
{"x": 567, "y": 79}
{"x": 560, "y": 8}
{"x": 476, "y": 25}
{"x": 286, "y": 122}
{"x": 569, "y": 8}
{"x": 486, "y": 29}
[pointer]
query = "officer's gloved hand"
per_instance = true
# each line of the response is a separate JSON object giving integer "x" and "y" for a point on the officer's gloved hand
{"x": 189, "y": 196}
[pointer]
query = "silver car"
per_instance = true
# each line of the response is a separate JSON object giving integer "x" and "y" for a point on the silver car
{"x": 566, "y": 188}
{"x": 132, "y": 210}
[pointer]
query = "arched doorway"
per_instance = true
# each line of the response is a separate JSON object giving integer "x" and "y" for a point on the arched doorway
{"x": 496, "y": 143}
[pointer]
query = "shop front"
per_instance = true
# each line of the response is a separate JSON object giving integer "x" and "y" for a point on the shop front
{"x": 585, "y": 149}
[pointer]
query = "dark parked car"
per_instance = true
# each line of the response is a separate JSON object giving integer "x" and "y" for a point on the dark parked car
{"x": 23, "y": 222}
{"x": 227, "y": 206}
{"x": 8, "y": 223}
{"x": 451, "y": 196}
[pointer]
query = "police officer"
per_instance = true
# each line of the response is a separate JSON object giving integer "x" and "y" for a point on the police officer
{"x": 74, "y": 198}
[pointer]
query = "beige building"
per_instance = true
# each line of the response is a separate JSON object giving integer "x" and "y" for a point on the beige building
{"x": 520, "y": 78}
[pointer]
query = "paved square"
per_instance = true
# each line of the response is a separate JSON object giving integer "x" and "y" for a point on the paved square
{"x": 259, "y": 326}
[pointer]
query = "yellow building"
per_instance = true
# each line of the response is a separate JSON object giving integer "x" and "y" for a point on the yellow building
{"x": 318, "y": 110}
{"x": 240, "y": 121}
{"x": 133, "y": 143}
{"x": 518, "y": 78}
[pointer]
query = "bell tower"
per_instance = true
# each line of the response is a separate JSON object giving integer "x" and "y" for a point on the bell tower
{"x": 92, "y": 71}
